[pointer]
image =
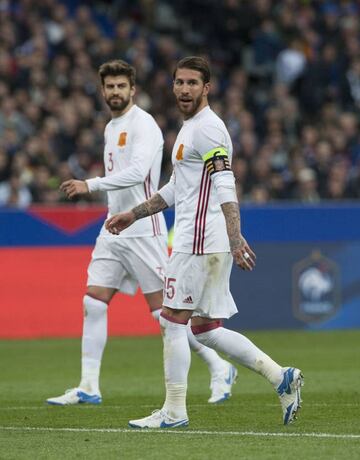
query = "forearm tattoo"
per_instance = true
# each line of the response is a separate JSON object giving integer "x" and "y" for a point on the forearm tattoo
{"x": 155, "y": 204}
{"x": 233, "y": 225}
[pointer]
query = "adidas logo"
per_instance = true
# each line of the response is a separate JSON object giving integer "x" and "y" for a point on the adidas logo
{"x": 188, "y": 299}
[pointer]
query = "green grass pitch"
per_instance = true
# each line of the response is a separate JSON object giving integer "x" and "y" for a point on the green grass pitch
{"x": 248, "y": 426}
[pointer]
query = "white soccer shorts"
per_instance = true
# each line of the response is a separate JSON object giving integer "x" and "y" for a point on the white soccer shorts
{"x": 126, "y": 263}
{"x": 200, "y": 283}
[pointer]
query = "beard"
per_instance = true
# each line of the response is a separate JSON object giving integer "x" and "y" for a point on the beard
{"x": 190, "y": 108}
{"x": 118, "y": 104}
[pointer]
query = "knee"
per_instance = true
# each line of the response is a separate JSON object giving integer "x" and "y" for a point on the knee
{"x": 207, "y": 333}
{"x": 172, "y": 329}
{"x": 94, "y": 308}
{"x": 206, "y": 338}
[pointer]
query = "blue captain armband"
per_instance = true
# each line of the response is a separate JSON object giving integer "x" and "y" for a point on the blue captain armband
{"x": 216, "y": 160}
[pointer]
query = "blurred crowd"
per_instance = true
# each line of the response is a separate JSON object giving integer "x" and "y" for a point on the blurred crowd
{"x": 286, "y": 81}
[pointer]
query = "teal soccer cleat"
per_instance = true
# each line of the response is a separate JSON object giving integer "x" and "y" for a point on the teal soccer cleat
{"x": 74, "y": 396}
{"x": 159, "y": 419}
{"x": 289, "y": 393}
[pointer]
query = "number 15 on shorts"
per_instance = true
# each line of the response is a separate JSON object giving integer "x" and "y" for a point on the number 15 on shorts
{"x": 169, "y": 287}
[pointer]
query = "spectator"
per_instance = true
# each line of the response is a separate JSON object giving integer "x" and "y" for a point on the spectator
{"x": 306, "y": 190}
{"x": 289, "y": 73}
{"x": 290, "y": 63}
{"x": 14, "y": 193}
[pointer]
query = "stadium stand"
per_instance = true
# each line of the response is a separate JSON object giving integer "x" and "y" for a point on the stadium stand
{"x": 286, "y": 81}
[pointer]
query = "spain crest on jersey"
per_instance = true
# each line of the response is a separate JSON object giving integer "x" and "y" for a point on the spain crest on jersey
{"x": 180, "y": 152}
{"x": 122, "y": 139}
{"x": 316, "y": 288}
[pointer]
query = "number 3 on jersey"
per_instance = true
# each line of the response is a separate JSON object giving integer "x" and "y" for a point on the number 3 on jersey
{"x": 169, "y": 288}
{"x": 110, "y": 165}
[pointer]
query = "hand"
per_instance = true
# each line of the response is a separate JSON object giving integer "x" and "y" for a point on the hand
{"x": 74, "y": 187}
{"x": 118, "y": 222}
{"x": 243, "y": 255}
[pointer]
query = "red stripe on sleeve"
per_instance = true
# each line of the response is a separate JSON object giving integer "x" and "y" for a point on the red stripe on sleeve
{"x": 201, "y": 237}
{"x": 198, "y": 210}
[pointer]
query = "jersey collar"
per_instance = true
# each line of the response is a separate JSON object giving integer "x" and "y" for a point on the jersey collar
{"x": 125, "y": 116}
{"x": 198, "y": 115}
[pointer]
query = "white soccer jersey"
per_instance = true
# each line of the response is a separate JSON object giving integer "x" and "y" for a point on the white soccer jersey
{"x": 202, "y": 147}
{"x": 132, "y": 159}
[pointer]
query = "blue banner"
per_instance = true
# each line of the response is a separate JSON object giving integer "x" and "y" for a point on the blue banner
{"x": 308, "y": 259}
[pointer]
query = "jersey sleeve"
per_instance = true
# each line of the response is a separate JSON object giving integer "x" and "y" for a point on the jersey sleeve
{"x": 224, "y": 183}
{"x": 147, "y": 143}
{"x": 167, "y": 192}
{"x": 210, "y": 142}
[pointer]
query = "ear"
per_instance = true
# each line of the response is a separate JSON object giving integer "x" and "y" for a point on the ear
{"x": 206, "y": 89}
{"x": 132, "y": 91}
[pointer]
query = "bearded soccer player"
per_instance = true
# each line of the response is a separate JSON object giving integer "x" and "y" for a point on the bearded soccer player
{"x": 207, "y": 240}
{"x": 137, "y": 257}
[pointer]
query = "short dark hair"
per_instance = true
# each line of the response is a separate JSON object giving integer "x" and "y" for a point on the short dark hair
{"x": 195, "y": 63}
{"x": 115, "y": 68}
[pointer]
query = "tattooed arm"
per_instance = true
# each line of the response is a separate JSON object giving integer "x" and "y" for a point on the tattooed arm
{"x": 164, "y": 198}
{"x": 118, "y": 222}
{"x": 243, "y": 255}
{"x": 155, "y": 204}
{"x": 224, "y": 183}
{"x": 233, "y": 225}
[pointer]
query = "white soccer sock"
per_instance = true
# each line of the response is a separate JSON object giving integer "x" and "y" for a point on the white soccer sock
{"x": 215, "y": 364}
{"x": 177, "y": 358}
{"x": 93, "y": 343}
{"x": 156, "y": 314}
{"x": 243, "y": 351}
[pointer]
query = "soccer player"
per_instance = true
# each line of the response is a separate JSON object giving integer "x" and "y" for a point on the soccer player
{"x": 207, "y": 238}
{"x": 132, "y": 159}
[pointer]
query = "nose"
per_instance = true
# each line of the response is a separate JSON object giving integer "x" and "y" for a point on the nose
{"x": 185, "y": 89}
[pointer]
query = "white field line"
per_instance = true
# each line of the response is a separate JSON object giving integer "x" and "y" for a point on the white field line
{"x": 183, "y": 432}
{"x": 152, "y": 406}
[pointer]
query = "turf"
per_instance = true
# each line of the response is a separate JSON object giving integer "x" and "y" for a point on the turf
{"x": 248, "y": 426}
